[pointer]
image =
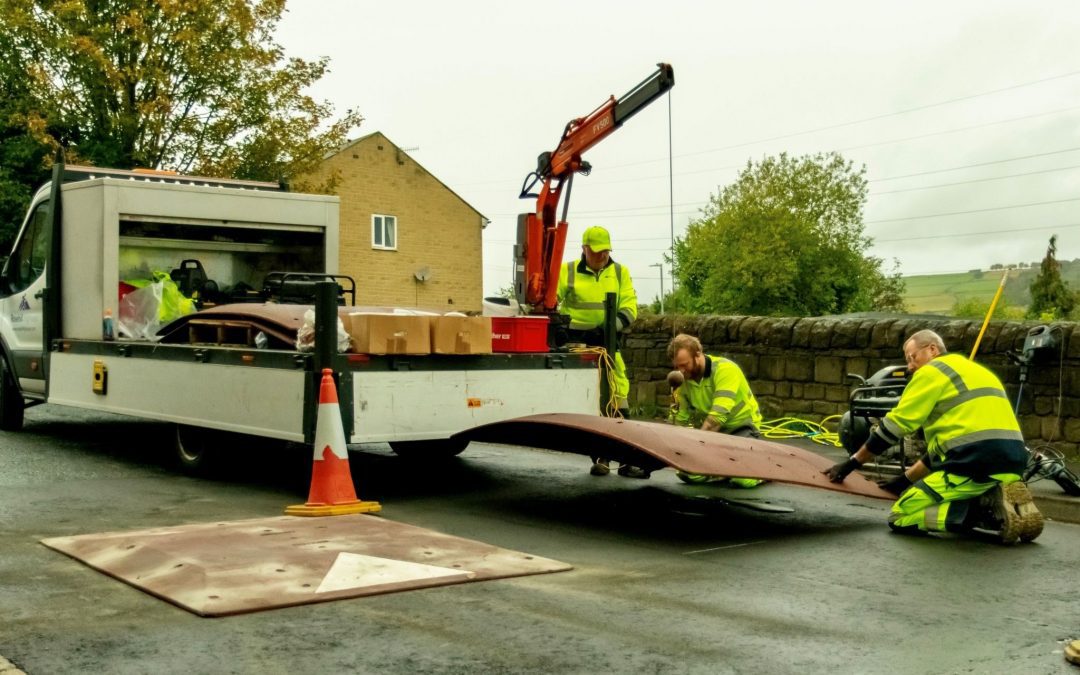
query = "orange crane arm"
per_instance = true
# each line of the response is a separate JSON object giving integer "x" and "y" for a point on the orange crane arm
{"x": 541, "y": 236}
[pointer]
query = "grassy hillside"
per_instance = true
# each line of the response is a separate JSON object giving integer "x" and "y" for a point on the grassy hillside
{"x": 937, "y": 293}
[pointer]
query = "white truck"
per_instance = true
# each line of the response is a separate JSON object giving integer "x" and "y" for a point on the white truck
{"x": 89, "y": 229}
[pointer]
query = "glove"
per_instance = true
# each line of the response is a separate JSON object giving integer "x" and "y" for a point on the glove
{"x": 838, "y": 472}
{"x": 621, "y": 323}
{"x": 896, "y": 485}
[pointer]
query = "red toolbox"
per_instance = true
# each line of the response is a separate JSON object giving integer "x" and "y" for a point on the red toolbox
{"x": 519, "y": 333}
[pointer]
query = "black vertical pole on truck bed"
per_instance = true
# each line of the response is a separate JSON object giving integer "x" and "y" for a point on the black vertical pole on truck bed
{"x": 326, "y": 356}
{"x": 611, "y": 344}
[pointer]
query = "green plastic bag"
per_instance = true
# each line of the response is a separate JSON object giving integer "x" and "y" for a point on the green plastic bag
{"x": 154, "y": 303}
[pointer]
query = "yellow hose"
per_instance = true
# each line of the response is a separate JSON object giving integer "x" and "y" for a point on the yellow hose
{"x": 989, "y": 313}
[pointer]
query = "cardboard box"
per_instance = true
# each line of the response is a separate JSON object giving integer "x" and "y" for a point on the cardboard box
{"x": 461, "y": 335}
{"x": 390, "y": 333}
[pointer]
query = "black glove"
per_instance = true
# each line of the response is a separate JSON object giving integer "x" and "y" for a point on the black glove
{"x": 838, "y": 472}
{"x": 896, "y": 485}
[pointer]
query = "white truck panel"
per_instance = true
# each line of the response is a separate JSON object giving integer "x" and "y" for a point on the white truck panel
{"x": 258, "y": 401}
{"x": 419, "y": 405}
{"x": 94, "y": 209}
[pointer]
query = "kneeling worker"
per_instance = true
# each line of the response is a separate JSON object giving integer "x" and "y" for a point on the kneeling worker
{"x": 718, "y": 388}
{"x": 970, "y": 476}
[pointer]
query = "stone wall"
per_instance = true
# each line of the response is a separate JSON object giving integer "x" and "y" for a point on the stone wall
{"x": 799, "y": 367}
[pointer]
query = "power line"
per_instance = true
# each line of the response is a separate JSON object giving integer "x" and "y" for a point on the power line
{"x": 979, "y": 234}
{"x": 961, "y": 213}
{"x": 971, "y": 166}
{"x": 866, "y": 119}
{"x": 977, "y": 180}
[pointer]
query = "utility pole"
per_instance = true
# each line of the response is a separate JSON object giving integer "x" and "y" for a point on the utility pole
{"x": 661, "y": 266}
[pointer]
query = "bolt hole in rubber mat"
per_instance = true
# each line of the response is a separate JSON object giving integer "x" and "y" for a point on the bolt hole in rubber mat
{"x": 216, "y": 569}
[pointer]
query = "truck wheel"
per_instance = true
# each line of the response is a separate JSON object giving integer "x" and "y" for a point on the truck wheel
{"x": 439, "y": 448}
{"x": 11, "y": 400}
{"x": 196, "y": 450}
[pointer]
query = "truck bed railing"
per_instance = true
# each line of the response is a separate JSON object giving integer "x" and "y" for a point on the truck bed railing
{"x": 73, "y": 173}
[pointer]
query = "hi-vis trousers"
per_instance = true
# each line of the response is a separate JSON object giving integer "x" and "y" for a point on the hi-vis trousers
{"x": 941, "y": 501}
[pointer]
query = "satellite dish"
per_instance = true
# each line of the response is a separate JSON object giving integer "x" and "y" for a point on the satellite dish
{"x": 422, "y": 274}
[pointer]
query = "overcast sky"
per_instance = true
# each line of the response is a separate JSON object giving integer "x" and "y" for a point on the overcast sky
{"x": 966, "y": 114}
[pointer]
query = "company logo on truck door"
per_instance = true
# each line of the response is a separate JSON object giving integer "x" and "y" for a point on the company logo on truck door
{"x": 24, "y": 304}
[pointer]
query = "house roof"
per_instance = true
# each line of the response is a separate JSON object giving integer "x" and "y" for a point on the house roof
{"x": 380, "y": 134}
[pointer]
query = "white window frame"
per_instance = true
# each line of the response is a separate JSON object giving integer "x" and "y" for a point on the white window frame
{"x": 378, "y": 225}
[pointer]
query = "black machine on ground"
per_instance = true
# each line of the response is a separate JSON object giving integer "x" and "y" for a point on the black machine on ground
{"x": 874, "y": 396}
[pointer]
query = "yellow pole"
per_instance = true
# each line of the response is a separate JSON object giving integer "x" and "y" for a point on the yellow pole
{"x": 989, "y": 313}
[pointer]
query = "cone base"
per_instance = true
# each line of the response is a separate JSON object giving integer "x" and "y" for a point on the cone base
{"x": 332, "y": 509}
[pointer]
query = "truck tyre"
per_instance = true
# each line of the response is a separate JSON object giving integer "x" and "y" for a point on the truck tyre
{"x": 11, "y": 400}
{"x": 438, "y": 448}
{"x": 196, "y": 449}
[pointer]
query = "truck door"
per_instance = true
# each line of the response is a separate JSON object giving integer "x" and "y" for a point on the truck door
{"x": 22, "y": 282}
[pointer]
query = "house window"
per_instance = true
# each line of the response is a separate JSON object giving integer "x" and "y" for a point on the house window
{"x": 384, "y": 232}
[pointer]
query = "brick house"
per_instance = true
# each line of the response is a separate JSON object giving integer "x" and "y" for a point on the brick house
{"x": 407, "y": 238}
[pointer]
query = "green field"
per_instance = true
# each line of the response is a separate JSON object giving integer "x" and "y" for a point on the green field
{"x": 938, "y": 293}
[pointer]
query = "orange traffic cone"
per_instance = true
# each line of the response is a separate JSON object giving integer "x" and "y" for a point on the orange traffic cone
{"x": 332, "y": 492}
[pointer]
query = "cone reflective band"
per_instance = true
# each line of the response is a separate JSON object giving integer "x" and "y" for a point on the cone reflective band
{"x": 332, "y": 492}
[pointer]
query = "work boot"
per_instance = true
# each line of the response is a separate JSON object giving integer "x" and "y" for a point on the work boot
{"x": 746, "y": 483}
{"x": 699, "y": 478}
{"x": 1072, "y": 652}
{"x": 600, "y": 467}
{"x": 628, "y": 471}
{"x": 1015, "y": 512}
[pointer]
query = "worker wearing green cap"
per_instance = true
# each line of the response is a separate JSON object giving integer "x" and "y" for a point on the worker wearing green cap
{"x": 583, "y": 284}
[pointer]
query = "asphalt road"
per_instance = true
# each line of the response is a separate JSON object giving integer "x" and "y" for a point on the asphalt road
{"x": 665, "y": 580}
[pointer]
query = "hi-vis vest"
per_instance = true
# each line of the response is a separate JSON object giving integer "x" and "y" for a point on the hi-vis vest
{"x": 965, "y": 415}
{"x": 581, "y": 294}
{"x": 723, "y": 393}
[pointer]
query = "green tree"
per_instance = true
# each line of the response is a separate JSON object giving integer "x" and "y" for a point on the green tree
{"x": 198, "y": 86}
{"x": 785, "y": 239}
{"x": 1050, "y": 296}
{"x": 23, "y": 153}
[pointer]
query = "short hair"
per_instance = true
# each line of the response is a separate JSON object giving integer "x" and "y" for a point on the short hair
{"x": 925, "y": 338}
{"x": 683, "y": 341}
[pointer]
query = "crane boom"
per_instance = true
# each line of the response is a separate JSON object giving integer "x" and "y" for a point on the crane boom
{"x": 541, "y": 236}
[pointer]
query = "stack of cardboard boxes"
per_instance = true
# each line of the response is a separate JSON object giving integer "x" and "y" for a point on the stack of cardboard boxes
{"x": 419, "y": 334}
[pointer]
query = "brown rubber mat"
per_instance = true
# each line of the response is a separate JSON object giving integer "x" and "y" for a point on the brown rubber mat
{"x": 216, "y": 569}
{"x": 653, "y": 445}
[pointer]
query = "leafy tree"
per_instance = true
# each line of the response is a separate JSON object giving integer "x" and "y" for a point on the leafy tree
{"x": 22, "y": 152}
{"x": 193, "y": 85}
{"x": 1050, "y": 295}
{"x": 785, "y": 239}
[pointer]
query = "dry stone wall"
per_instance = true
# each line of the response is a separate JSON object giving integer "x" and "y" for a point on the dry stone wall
{"x": 799, "y": 367}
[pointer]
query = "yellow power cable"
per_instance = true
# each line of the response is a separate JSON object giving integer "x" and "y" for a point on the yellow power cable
{"x": 611, "y": 408}
{"x": 794, "y": 427}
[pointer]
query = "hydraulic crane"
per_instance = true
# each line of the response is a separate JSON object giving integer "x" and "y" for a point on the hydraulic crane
{"x": 540, "y": 236}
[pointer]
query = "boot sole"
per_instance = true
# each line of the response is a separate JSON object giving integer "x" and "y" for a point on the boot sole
{"x": 1020, "y": 518}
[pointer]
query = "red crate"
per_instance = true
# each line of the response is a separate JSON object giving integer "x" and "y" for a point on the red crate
{"x": 519, "y": 333}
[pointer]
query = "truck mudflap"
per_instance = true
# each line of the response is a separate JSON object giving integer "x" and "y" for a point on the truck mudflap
{"x": 653, "y": 445}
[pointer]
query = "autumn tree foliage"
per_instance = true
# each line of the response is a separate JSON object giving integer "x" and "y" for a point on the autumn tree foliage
{"x": 198, "y": 86}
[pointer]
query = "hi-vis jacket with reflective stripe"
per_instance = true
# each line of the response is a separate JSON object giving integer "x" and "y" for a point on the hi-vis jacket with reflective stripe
{"x": 965, "y": 415}
{"x": 723, "y": 393}
{"x": 581, "y": 294}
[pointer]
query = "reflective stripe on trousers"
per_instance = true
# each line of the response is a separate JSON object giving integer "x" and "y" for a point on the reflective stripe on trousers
{"x": 940, "y": 501}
